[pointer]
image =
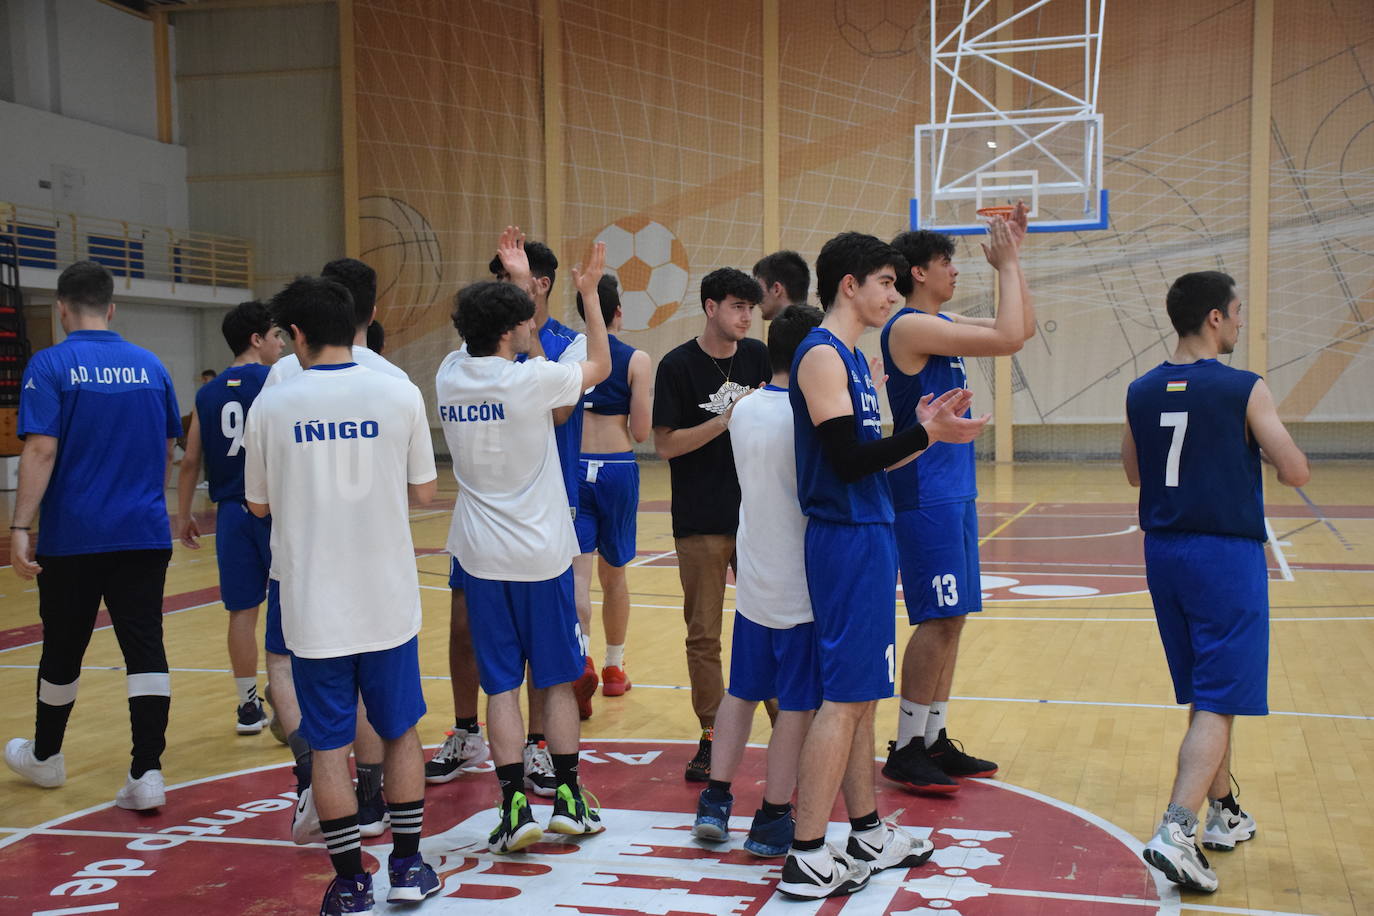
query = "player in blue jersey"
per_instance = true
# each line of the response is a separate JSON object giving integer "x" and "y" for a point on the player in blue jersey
{"x": 851, "y": 562}
{"x": 1196, "y": 433}
{"x": 241, "y": 539}
{"x": 937, "y": 519}
{"x": 98, "y": 417}
{"x": 617, "y": 416}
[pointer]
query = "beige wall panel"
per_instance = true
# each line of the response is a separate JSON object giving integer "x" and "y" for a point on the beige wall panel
{"x": 250, "y": 40}
{"x": 261, "y": 124}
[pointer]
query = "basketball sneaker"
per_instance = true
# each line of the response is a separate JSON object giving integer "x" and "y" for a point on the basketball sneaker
{"x": 305, "y": 821}
{"x": 1174, "y": 853}
{"x": 572, "y": 815}
{"x": 949, "y": 756}
{"x": 49, "y": 773}
{"x": 144, "y": 793}
{"x": 771, "y": 838}
{"x": 614, "y": 681}
{"x": 517, "y": 828}
{"x": 699, "y": 767}
{"x": 888, "y": 846}
{"x": 411, "y": 879}
{"x": 912, "y": 767}
{"x": 460, "y": 750}
{"x": 251, "y": 718}
{"x": 373, "y": 817}
{"x": 584, "y": 688}
{"x": 827, "y": 872}
{"x": 1224, "y": 829}
{"x": 347, "y": 895}
{"x": 539, "y": 778}
{"x": 713, "y": 817}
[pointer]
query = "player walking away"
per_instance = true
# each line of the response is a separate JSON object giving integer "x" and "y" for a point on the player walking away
{"x": 512, "y": 534}
{"x": 851, "y": 562}
{"x": 934, "y": 496}
{"x": 617, "y": 416}
{"x": 242, "y": 548}
{"x": 360, "y": 281}
{"x": 773, "y": 653}
{"x": 332, "y": 454}
{"x": 97, "y": 465}
{"x": 784, "y": 278}
{"x": 1196, "y": 433}
{"x": 697, "y": 384}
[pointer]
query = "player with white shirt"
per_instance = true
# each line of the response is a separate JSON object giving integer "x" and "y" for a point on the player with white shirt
{"x": 773, "y": 653}
{"x": 512, "y": 533}
{"x": 332, "y": 455}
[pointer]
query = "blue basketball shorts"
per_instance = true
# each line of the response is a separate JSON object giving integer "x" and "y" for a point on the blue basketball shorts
{"x": 273, "y": 640}
{"x": 328, "y": 689}
{"x": 244, "y": 553}
{"x": 514, "y": 623}
{"x": 851, "y": 575}
{"x": 607, "y": 505}
{"x": 1211, "y": 597}
{"x": 766, "y": 662}
{"x": 457, "y": 579}
{"x": 938, "y": 554}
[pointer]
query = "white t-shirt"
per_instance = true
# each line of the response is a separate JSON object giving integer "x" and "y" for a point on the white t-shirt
{"x": 511, "y": 520}
{"x": 770, "y": 548}
{"x": 331, "y": 452}
{"x": 289, "y": 366}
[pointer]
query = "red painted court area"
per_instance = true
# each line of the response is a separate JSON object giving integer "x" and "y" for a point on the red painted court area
{"x": 221, "y": 846}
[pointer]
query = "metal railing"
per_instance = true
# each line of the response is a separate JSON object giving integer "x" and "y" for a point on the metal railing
{"x": 50, "y": 240}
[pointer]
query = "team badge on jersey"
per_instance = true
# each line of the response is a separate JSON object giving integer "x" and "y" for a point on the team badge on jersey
{"x": 233, "y": 382}
{"x": 1176, "y": 386}
{"x": 726, "y": 395}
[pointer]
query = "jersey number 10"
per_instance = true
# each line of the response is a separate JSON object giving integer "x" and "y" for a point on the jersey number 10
{"x": 1179, "y": 421}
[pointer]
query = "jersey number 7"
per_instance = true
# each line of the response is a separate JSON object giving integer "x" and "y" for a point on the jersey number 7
{"x": 1179, "y": 421}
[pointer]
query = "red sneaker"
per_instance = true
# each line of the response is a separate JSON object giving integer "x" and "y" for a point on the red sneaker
{"x": 614, "y": 683}
{"x": 584, "y": 688}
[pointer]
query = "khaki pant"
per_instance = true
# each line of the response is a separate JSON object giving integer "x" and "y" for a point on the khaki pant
{"x": 702, "y": 560}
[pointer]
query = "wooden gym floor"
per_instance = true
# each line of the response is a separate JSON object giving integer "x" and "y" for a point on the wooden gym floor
{"x": 1061, "y": 680}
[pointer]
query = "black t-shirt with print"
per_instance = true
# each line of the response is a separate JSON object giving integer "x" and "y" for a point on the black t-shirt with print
{"x": 691, "y": 388}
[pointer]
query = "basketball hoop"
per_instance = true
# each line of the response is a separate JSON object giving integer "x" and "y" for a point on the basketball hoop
{"x": 1003, "y": 211}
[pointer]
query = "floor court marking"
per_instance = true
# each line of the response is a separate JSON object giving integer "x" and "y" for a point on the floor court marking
{"x": 1129, "y": 529}
{"x": 993, "y": 533}
{"x": 1321, "y": 517}
{"x": 1277, "y": 551}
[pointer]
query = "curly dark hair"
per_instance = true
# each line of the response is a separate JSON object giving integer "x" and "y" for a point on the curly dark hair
{"x": 727, "y": 281}
{"x": 485, "y": 310}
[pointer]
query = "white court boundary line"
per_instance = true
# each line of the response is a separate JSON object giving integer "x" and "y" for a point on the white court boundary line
{"x": 1278, "y": 551}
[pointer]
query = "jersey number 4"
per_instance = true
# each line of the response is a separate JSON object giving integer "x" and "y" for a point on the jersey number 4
{"x": 231, "y": 424}
{"x": 1179, "y": 421}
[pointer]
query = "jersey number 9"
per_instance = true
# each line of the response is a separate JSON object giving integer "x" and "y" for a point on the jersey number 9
{"x": 231, "y": 424}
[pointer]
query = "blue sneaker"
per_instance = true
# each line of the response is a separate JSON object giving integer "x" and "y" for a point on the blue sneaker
{"x": 348, "y": 895}
{"x": 411, "y": 879}
{"x": 713, "y": 818}
{"x": 769, "y": 838}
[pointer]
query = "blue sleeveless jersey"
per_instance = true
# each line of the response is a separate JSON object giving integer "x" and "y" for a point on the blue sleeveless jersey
{"x": 555, "y": 337}
{"x": 822, "y": 493}
{"x": 222, "y": 406}
{"x": 1199, "y": 471}
{"x": 944, "y": 472}
{"x": 612, "y": 397}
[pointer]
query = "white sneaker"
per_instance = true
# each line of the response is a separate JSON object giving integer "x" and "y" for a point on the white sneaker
{"x": 305, "y": 823}
{"x": 1173, "y": 852}
{"x": 824, "y": 873}
{"x": 461, "y": 750}
{"x": 144, "y": 793}
{"x": 1224, "y": 829}
{"x": 539, "y": 777}
{"x": 49, "y": 773}
{"x": 888, "y": 846}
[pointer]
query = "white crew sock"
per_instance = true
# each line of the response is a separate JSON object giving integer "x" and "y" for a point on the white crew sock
{"x": 247, "y": 688}
{"x": 936, "y": 721}
{"x": 586, "y": 643}
{"x": 911, "y": 722}
{"x": 615, "y": 656}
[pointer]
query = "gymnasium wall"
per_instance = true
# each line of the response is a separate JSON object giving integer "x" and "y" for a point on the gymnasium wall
{"x": 645, "y": 125}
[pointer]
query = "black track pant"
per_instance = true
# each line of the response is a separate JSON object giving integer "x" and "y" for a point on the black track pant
{"x": 70, "y": 589}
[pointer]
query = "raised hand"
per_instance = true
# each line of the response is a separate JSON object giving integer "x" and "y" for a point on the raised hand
{"x": 585, "y": 278}
{"x": 1000, "y": 248}
{"x": 510, "y": 249}
{"x": 1017, "y": 222}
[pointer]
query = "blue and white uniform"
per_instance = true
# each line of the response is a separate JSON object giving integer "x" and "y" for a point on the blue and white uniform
{"x": 242, "y": 540}
{"x": 1202, "y": 510}
{"x": 934, "y": 495}
{"x": 608, "y": 484}
{"x": 563, "y": 345}
{"x": 851, "y": 556}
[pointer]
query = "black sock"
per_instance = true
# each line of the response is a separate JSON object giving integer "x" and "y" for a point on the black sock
{"x": 718, "y": 790}
{"x": 49, "y": 727}
{"x": 465, "y": 725}
{"x": 345, "y": 845}
{"x": 808, "y": 845}
{"x": 406, "y": 820}
{"x": 303, "y": 770}
{"x": 565, "y": 771}
{"x": 369, "y": 779}
{"x": 771, "y": 810}
{"x": 512, "y": 779}
{"x": 299, "y": 747}
{"x": 1230, "y": 803}
{"x": 867, "y": 822}
{"x": 534, "y": 738}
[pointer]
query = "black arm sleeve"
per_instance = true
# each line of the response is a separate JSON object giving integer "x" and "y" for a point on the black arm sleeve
{"x": 853, "y": 459}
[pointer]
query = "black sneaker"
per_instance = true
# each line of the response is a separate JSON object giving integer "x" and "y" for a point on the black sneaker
{"x": 516, "y": 829}
{"x": 250, "y": 718}
{"x": 699, "y": 767}
{"x": 949, "y": 756}
{"x": 373, "y": 817}
{"x": 912, "y": 767}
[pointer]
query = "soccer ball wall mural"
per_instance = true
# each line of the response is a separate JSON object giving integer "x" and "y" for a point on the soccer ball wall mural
{"x": 651, "y": 265}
